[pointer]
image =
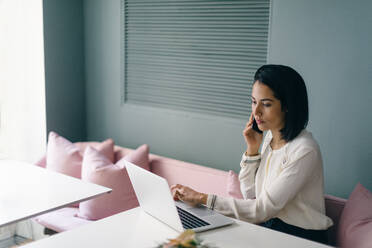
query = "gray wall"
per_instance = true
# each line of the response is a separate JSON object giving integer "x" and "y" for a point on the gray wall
{"x": 326, "y": 41}
{"x": 197, "y": 138}
{"x": 329, "y": 43}
{"x": 64, "y": 68}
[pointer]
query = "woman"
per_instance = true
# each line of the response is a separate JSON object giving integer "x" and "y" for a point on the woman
{"x": 282, "y": 185}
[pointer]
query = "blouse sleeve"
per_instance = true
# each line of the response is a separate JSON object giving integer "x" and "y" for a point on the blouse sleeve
{"x": 272, "y": 199}
{"x": 247, "y": 174}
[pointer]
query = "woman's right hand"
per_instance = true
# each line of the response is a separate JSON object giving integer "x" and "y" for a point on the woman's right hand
{"x": 252, "y": 138}
{"x": 188, "y": 195}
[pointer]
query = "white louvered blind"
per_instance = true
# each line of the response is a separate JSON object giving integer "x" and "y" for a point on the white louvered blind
{"x": 194, "y": 55}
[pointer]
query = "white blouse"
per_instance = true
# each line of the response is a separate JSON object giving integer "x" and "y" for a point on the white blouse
{"x": 286, "y": 183}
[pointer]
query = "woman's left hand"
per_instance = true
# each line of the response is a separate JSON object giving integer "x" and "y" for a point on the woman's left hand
{"x": 188, "y": 195}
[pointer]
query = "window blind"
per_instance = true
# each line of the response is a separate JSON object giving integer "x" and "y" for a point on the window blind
{"x": 194, "y": 55}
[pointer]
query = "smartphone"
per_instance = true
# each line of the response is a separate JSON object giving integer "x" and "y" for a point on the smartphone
{"x": 255, "y": 127}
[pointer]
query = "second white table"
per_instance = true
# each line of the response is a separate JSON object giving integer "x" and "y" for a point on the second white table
{"x": 27, "y": 190}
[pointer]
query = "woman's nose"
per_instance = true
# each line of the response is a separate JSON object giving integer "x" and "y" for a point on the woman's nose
{"x": 257, "y": 110}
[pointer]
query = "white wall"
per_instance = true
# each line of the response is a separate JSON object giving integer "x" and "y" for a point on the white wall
{"x": 22, "y": 90}
{"x": 22, "y": 86}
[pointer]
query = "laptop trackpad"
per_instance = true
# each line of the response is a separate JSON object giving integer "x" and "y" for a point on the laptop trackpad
{"x": 201, "y": 211}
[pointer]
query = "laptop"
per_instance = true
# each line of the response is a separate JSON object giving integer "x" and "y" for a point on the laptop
{"x": 155, "y": 198}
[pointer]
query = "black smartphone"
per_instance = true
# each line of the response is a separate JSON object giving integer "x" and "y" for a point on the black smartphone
{"x": 255, "y": 127}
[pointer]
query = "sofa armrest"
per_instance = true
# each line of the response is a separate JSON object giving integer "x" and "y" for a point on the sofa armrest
{"x": 334, "y": 207}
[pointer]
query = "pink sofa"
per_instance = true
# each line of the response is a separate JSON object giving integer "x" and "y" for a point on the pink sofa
{"x": 334, "y": 207}
{"x": 200, "y": 178}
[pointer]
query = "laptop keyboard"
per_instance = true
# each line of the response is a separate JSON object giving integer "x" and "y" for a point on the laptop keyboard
{"x": 190, "y": 221}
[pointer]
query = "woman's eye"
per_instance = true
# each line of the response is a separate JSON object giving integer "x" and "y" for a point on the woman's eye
{"x": 267, "y": 105}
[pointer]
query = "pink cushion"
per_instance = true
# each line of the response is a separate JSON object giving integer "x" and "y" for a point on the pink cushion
{"x": 66, "y": 157}
{"x": 355, "y": 227}
{"x": 41, "y": 162}
{"x": 121, "y": 152}
{"x": 63, "y": 156}
{"x": 106, "y": 147}
{"x": 61, "y": 220}
{"x": 233, "y": 185}
{"x": 139, "y": 157}
{"x": 98, "y": 169}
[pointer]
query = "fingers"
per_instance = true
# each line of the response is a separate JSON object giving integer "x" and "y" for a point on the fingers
{"x": 176, "y": 187}
{"x": 182, "y": 193}
{"x": 251, "y": 117}
{"x": 247, "y": 128}
{"x": 176, "y": 196}
{"x": 177, "y": 190}
{"x": 250, "y": 121}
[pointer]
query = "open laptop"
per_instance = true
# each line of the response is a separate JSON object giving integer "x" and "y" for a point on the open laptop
{"x": 155, "y": 198}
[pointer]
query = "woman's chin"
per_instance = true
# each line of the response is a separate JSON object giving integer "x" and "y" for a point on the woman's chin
{"x": 262, "y": 128}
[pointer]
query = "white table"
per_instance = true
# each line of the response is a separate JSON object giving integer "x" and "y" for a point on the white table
{"x": 27, "y": 190}
{"x": 136, "y": 229}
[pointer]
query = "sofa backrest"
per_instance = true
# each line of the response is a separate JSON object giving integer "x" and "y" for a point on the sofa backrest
{"x": 334, "y": 206}
{"x": 200, "y": 178}
{"x": 81, "y": 145}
